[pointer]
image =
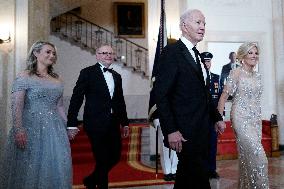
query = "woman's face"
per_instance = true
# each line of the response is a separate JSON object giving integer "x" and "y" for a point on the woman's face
{"x": 251, "y": 59}
{"x": 46, "y": 56}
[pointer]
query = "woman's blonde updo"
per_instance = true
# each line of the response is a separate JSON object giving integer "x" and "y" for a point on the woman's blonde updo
{"x": 244, "y": 49}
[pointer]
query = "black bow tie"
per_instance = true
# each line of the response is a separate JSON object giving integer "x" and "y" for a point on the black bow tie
{"x": 106, "y": 69}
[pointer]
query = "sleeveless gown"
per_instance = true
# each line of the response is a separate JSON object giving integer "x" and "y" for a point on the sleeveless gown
{"x": 45, "y": 162}
{"x": 246, "y": 89}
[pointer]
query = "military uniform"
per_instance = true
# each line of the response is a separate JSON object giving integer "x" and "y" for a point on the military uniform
{"x": 214, "y": 88}
{"x": 215, "y": 95}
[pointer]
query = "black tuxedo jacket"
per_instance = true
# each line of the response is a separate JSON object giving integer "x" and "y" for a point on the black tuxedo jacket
{"x": 92, "y": 86}
{"x": 224, "y": 74}
{"x": 182, "y": 98}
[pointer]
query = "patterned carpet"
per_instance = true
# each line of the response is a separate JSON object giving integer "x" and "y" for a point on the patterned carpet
{"x": 129, "y": 172}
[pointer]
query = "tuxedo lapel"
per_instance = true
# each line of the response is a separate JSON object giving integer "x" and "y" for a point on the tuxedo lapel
{"x": 103, "y": 82}
{"x": 190, "y": 60}
{"x": 115, "y": 80}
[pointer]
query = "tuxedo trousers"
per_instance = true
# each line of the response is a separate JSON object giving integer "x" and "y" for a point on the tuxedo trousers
{"x": 192, "y": 170}
{"x": 106, "y": 147}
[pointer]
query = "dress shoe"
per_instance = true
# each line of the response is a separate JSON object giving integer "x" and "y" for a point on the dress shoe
{"x": 88, "y": 183}
{"x": 173, "y": 176}
{"x": 214, "y": 175}
{"x": 168, "y": 177}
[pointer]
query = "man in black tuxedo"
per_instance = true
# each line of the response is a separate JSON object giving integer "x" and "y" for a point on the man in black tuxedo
{"x": 183, "y": 103}
{"x": 104, "y": 114}
{"x": 226, "y": 70}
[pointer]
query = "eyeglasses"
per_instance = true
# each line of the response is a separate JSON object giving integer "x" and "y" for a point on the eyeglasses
{"x": 106, "y": 53}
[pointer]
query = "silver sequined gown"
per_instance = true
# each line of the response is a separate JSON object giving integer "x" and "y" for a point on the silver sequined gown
{"x": 246, "y": 90}
{"x": 45, "y": 163}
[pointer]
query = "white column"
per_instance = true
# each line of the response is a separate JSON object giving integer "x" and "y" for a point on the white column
{"x": 7, "y": 18}
{"x": 153, "y": 28}
{"x": 278, "y": 38}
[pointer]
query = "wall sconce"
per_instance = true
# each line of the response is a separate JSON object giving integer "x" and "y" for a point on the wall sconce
{"x": 5, "y": 40}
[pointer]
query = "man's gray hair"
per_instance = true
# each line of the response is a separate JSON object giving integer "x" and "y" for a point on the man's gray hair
{"x": 185, "y": 16}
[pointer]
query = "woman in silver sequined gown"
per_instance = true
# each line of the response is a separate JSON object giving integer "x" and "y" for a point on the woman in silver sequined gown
{"x": 244, "y": 85}
{"x": 37, "y": 154}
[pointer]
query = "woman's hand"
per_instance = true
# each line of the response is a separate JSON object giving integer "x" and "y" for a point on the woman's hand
{"x": 21, "y": 138}
{"x": 72, "y": 132}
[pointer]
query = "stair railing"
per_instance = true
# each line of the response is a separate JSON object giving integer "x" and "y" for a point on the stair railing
{"x": 90, "y": 36}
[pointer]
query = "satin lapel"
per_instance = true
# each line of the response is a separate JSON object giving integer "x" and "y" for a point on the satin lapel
{"x": 208, "y": 76}
{"x": 189, "y": 59}
{"x": 102, "y": 78}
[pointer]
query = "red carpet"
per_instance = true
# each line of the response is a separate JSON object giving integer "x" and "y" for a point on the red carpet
{"x": 129, "y": 172}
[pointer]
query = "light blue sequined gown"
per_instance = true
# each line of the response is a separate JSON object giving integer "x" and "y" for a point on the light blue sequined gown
{"x": 45, "y": 163}
{"x": 246, "y": 89}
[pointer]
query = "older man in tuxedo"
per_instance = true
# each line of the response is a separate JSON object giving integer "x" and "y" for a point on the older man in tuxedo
{"x": 183, "y": 103}
{"x": 104, "y": 114}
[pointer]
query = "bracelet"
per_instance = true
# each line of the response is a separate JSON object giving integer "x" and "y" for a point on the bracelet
{"x": 72, "y": 128}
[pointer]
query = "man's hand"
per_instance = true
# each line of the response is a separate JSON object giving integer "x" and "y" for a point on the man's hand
{"x": 125, "y": 131}
{"x": 220, "y": 127}
{"x": 175, "y": 141}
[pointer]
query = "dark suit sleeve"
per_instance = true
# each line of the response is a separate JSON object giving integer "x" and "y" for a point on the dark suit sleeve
{"x": 77, "y": 99}
{"x": 222, "y": 79}
{"x": 164, "y": 84}
{"x": 214, "y": 113}
{"x": 121, "y": 104}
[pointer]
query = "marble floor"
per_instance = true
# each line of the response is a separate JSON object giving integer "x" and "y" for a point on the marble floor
{"x": 228, "y": 171}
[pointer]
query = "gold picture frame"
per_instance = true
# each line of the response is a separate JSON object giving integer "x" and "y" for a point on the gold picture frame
{"x": 129, "y": 19}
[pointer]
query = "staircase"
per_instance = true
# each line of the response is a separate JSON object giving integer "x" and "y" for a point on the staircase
{"x": 89, "y": 36}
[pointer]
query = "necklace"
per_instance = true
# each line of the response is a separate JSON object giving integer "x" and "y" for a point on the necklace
{"x": 249, "y": 73}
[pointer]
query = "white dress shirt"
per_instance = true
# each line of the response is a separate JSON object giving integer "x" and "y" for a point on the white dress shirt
{"x": 189, "y": 46}
{"x": 109, "y": 80}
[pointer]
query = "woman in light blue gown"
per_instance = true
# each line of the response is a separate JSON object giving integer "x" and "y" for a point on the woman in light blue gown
{"x": 37, "y": 154}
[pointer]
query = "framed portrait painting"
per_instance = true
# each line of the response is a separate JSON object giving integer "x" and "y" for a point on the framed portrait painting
{"x": 129, "y": 19}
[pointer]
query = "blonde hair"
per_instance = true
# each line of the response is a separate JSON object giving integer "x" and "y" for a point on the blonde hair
{"x": 32, "y": 59}
{"x": 244, "y": 49}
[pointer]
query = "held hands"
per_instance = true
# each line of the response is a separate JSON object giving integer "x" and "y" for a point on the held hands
{"x": 175, "y": 141}
{"x": 72, "y": 132}
{"x": 125, "y": 132}
{"x": 220, "y": 127}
